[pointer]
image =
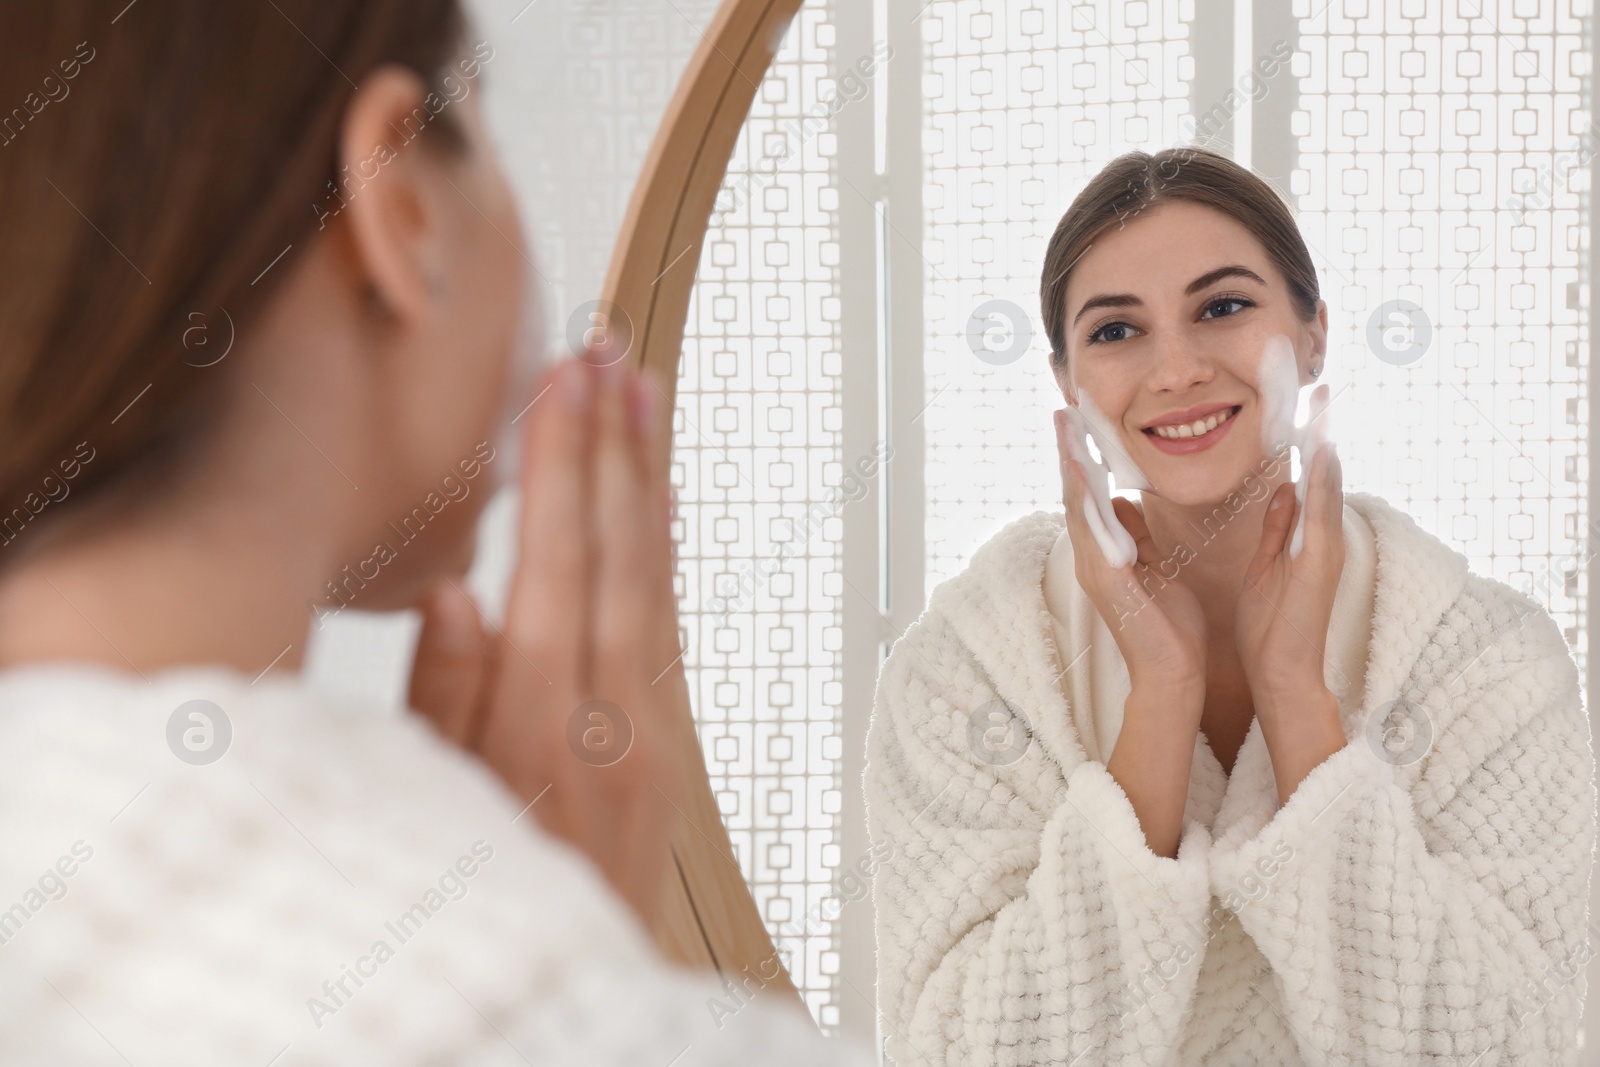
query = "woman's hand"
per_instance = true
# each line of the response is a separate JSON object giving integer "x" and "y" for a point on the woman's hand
{"x": 1160, "y": 628}
{"x": 563, "y": 704}
{"x": 1281, "y": 625}
{"x": 1156, "y": 621}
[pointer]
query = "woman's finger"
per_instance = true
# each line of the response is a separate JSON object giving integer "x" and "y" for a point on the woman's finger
{"x": 1085, "y": 545}
{"x": 1133, "y": 522}
{"x": 1277, "y": 526}
{"x": 1074, "y": 484}
{"x": 449, "y": 669}
{"x": 1328, "y": 512}
{"x": 626, "y": 588}
{"x": 547, "y": 612}
{"x": 1324, "y": 502}
{"x": 1319, "y": 400}
{"x": 1058, "y": 419}
{"x": 543, "y": 653}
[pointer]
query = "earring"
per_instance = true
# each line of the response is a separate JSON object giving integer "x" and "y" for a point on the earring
{"x": 1315, "y": 371}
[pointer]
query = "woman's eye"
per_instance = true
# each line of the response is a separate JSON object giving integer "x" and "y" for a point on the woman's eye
{"x": 1224, "y": 302}
{"x": 1097, "y": 336}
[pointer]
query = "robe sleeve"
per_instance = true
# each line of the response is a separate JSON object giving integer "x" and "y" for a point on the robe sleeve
{"x": 1447, "y": 921}
{"x": 1017, "y": 924}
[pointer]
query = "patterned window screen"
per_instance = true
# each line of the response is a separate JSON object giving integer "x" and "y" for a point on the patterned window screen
{"x": 1024, "y": 102}
{"x": 1443, "y": 181}
{"x": 757, "y": 466}
{"x": 1440, "y": 173}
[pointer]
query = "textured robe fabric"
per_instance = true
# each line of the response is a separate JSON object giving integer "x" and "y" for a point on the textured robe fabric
{"x": 1422, "y": 897}
{"x": 340, "y": 887}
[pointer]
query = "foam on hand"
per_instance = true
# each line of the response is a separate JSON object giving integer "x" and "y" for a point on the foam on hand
{"x": 1279, "y": 388}
{"x": 1113, "y": 538}
{"x": 1117, "y": 460}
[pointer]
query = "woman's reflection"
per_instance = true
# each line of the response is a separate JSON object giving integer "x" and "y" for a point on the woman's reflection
{"x": 1230, "y": 802}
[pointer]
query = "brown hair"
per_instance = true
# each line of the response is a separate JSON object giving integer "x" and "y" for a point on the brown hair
{"x": 1137, "y": 181}
{"x": 154, "y": 163}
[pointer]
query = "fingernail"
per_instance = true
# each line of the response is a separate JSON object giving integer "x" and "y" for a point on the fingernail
{"x": 1278, "y": 501}
{"x": 576, "y": 386}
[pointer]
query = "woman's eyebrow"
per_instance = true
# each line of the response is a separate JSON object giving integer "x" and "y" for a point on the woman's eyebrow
{"x": 1117, "y": 300}
{"x": 1231, "y": 271}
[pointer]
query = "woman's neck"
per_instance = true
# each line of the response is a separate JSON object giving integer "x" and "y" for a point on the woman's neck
{"x": 196, "y": 579}
{"x": 1209, "y": 547}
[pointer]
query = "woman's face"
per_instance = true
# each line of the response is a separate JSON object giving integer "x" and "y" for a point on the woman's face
{"x": 1168, "y": 319}
{"x": 466, "y": 364}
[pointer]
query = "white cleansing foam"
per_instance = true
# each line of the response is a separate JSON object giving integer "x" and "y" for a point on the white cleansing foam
{"x": 1118, "y": 462}
{"x": 1278, "y": 384}
{"x": 1109, "y": 533}
{"x": 1279, "y": 387}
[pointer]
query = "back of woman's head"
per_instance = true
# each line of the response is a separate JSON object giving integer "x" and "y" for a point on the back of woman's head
{"x": 160, "y": 165}
{"x": 1138, "y": 182}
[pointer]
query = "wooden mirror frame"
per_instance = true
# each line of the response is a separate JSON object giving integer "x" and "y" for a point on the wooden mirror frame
{"x": 709, "y": 917}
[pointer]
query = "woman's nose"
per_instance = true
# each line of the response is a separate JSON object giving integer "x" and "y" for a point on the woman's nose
{"x": 1179, "y": 365}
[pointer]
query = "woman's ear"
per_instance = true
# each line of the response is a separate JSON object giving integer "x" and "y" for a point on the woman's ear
{"x": 1064, "y": 382}
{"x": 1318, "y": 329}
{"x": 387, "y": 193}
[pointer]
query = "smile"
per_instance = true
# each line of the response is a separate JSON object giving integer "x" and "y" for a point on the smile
{"x": 1198, "y": 428}
{"x": 1193, "y": 436}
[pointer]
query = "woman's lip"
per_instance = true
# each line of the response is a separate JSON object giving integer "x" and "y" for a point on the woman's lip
{"x": 1189, "y": 415}
{"x": 1182, "y": 446}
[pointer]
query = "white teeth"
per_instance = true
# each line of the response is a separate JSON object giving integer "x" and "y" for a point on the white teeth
{"x": 1195, "y": 429}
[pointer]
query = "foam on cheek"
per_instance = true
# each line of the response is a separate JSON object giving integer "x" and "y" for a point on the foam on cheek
{"x": 1109, "y": 533}
{"x": 1118, "y": 462}
{"x": 1312, "y": 437}
{"x": 1278, "y": 383}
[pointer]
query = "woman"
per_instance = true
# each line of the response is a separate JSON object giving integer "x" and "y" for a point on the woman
{"x": 1229, "y": 803}
{"x": 264, "y": 284}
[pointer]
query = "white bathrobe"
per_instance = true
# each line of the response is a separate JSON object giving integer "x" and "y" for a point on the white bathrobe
{"x": 340, "y": 887}
{"x": 1421, "y": 897}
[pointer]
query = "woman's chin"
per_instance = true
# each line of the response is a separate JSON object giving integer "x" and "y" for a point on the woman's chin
{"x": 1198, "y": 489}
{"x": 1175, "y": 496}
